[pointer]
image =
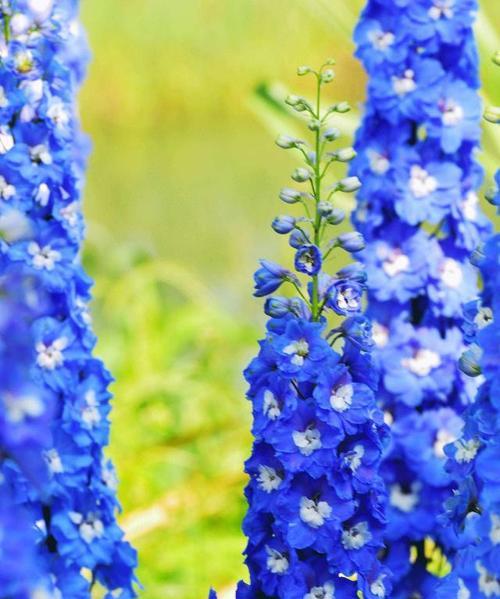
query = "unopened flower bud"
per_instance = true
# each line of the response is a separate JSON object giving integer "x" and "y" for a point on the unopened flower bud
{"x": 292, "y": 100}
{"x": 298, "y": 238}
{"x": 349, "y": 184}
{"x": 341, "y": 107}
{"x": 327, "y": 76}
{"x": 314, "y": 125}
{"x": 303, "y": 70}
{"x": 353, "y": 272}
{"x": 496, "y": 58}
{"x": 492, "y": 114}
{"x": 283, "y": 224}
{"x": 477, "y": 256}
{"x": 336, "y": 217}
{"x": 290, "y": 196}
{"x": 469, "y": 361}
{"x": 286, "y": 142}
{"x": 301, "y": 175}
{"x": 351, "y": 242}
{"x": 492, "y": 195}
{"x": 325, "y": 208}
{"x": 331, "y": 134}
{"x": 330, "y": 61}
{"x": 344, "y": 154}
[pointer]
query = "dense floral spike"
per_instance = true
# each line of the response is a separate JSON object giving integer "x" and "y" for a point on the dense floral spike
{"x": 316, "y": 501}
{"x": 418, "y": 211}
{"x": 474, "y": 507}
{"x": 42, "y": 157}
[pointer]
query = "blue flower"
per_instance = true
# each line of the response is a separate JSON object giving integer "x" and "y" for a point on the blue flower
{"x": 308, "y": 259}
{"x": 270, "y": 277}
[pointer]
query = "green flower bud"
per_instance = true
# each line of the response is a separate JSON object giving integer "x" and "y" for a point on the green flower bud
{"x": 301, "y": 175}
{"x": 303, "y": 70}
{"x": 344, "y": 154}
{"x": 332, "y": 134}
{"x": 325, "y": 208}
{"x": 496, "y": 58}
{"x": 492, "y": 114}
{"x": 341, "y": 107}
{"x": 292, "y": 100}
{"x": 286, "y": 142}
{"x": 327, "y": 76}
{"x": 336, "y": 217}
{"x": 469, "y": 361}
{"x": 490, "y": 194}
{"x": 290, "y": 196}
{"x": 330, "y": 61}
{"x": 314, "y": 125}
{"x": 349, "y": 184}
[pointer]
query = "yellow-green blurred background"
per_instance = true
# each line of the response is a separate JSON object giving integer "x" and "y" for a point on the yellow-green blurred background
{"x": 182, "y": 185}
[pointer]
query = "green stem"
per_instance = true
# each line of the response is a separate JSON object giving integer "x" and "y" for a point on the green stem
{"x": 317, "y": 197}
{"x": 6, "y": 27}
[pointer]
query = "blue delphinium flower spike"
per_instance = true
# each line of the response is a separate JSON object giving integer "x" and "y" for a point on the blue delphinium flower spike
{"x": 42, "y": 159}
{"x": 316, "y": 501}
{"x": 418, "y": 211}
{"x": 474, "y": 507}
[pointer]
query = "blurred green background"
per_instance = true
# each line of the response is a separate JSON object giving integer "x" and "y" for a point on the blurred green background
{"x": 182, "y": 185}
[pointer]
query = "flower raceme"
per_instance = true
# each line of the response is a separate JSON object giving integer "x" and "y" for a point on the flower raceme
{"x": 418, "y": 211}
{"x": 474, "y": 508}
{"x": 57, "y": 424}
{"x": 316, "y": 501}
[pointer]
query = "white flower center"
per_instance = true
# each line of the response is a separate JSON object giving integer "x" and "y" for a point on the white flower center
{"x": 422, "y": 362}
{"x": 43, "y": 257}
{"x": 396, "y": 263}
{"x": 379, "y": 164}
{"x": 313, "y": 512}
{"x": 451, "y": 273}
{"x": 470, "y": 205}
{"x": 381, "y": 40}
{"x": 40, "y": 154}
{"x": 70, "y": 213}
{"x": 307, "y": 441}
{"x": 488, "y": 583}
{"x": 51, "y": 356}
{"x": 271, "y": 406}
{"x": 443, "y": 438}
{"x": 378, "y": 588}
{"x": 58, "y": 114}
{"x": 6, "y": 140}
{"x": 404, "y": 85}
{"x": 90, "y": 413}
{"x": 356, "y": 536}
{"x": 404, "y": 501}
{"x": 341, "y": 398}
{"x": 42, "y": 194}
{"x": 463, "y": 591}
{"x": 483, "y": 317}
{"x": 6, "y": 190}
{"x": 466, "y": 451}
{"x": 91, "y": 530}
{"x": 19, "y": 408}
{"x": 380, "y": 334}
{"x": 327, "y": 591}
{"x": 4, "y": 102}
{"x": 54, "y": 462}
{"x": 354, "y": 458}
{"x": 441, "y": 8}
{"x": 276, "y": 563}
{"x": 347, "y": 299}
{"x": 495, "y": 529}
{"x": 421, "y": 184}
{"x": 298, "y": 350}
{"x": 453, "y": 113}
{"x": 269, "y": 480}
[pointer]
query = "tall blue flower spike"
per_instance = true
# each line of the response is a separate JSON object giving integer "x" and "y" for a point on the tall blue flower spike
{"x": 474, "y": 507}
{"x": 316, "y": 502}
{"x": 78, "y": 543}
{"x": 418, "y": 211}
